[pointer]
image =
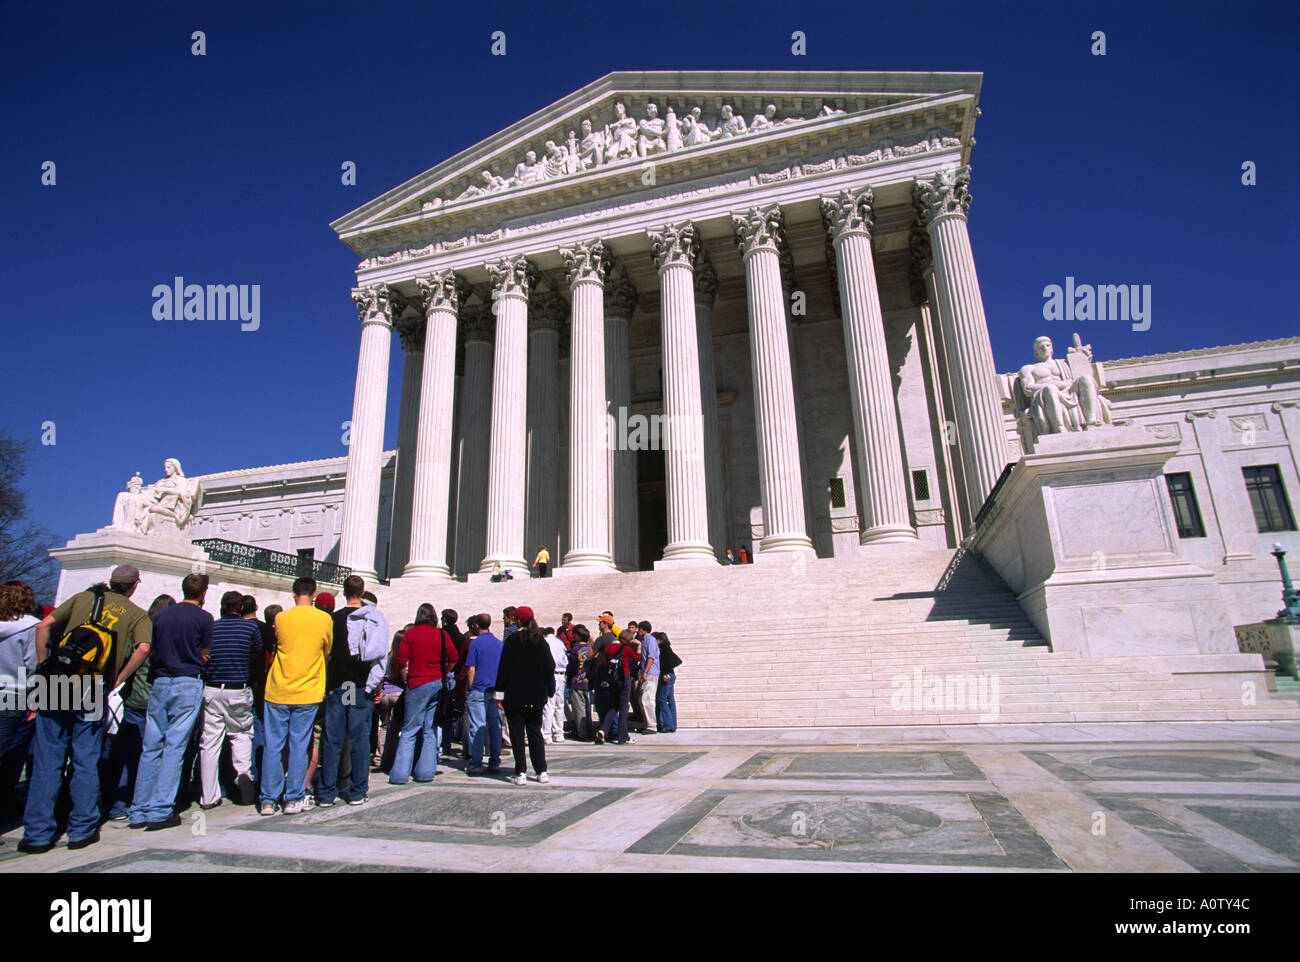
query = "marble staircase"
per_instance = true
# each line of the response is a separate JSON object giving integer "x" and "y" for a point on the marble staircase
{"x": 900, "y": 636}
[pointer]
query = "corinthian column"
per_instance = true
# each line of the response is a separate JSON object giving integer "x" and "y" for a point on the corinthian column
{"x": 506, "y": 477}
{"x": 780, "y": 479}
{"x": 706, "y": 289}
{"x": 477, "y": 327}
{"x": 886, "y": 517}
{"x": 410, "y": 332}
{"x": 545, "y": 318}
{"x": 676, "y": 248}
{"x": 620, "y": 302}
{"x": 588, "y": 441}
{"x": 433, "y": 449}
{"x": 589, "y": 485}
{"x": 366, "y": 447}
{"x": 941, "y": 203}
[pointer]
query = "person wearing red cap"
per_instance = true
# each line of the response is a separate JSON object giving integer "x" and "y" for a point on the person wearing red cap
{"x": 526, "y": 681}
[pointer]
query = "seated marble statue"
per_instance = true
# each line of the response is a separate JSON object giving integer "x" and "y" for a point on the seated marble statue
{"x": 528, "y": 172}
{"x": 130, "y": 506}
{"x": 731, "y": 125}
{"x": 1057, "y": 399}
{"x": 172, "y": 500}
{"x": 650, "y": 139}
{"x": 591, "y": 151}
{"x": 557, "y": 159}
{"x": 694, "y": 130}
{"x": 765, "y": 119}
{"x": 620, "y": 136}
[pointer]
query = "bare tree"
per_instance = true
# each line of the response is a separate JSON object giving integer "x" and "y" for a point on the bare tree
{"x": 24, "y": 544}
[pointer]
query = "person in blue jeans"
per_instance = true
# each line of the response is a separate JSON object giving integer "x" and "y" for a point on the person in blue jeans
{"x": 182, "y": 637}
{"x": 665, "y": 700}
{"x": 81, "y": 729}
{"x": 482, "y": 660}
{"x": 421, "y": 658}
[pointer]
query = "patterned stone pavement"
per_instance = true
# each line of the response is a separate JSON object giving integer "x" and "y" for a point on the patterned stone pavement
{"x": 1154, "y": 797}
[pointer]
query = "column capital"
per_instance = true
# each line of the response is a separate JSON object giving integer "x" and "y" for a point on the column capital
{"x": 374, "y": 304}
{"x": 675, "y": 245}
{"x": 706, "y": 279}
{"x": 620, "y": 294}
{"x": 944, "y": 194}
{"x": 547, "y": 311}
{"x": 410, "y": 330}
{"x": 477, "y": 323}
{"x": 760, "y": 229}
{"x": 849, "y": 212}
{"x": 586, "y": 262}
{"x": 441, "y": 291}
{"x": 512, "y": 277}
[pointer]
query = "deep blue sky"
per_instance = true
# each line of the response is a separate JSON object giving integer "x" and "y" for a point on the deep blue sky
{"x": 226, "y": 169}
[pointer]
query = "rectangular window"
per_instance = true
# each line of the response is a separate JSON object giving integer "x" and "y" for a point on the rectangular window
{"x": 1187, "y": 513}
{"x": 920, "y": 486}
{"x": 837, "y": 492}
{"x": 1268, "y": 499}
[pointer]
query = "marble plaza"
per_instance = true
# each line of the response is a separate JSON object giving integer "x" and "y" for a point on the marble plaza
{"x": 1142, "y": 797}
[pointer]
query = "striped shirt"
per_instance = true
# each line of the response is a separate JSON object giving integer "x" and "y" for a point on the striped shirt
{"x": 234, "y": 639}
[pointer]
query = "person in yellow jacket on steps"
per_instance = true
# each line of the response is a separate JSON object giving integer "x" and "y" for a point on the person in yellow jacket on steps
{"x": 541, "y": 561}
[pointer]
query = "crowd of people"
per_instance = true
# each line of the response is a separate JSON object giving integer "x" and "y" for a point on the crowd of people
{"x": 298, "y": 708}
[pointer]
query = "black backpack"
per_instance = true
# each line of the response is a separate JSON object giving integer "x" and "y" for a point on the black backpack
{"x": 609, "y": 673}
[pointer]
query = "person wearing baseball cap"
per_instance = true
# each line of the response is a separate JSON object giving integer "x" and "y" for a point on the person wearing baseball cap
{"x": 132, "y": 634}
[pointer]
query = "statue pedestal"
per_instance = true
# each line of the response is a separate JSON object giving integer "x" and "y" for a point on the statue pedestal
{"x": 1083, "y": 532}
{"x": 164, "y": 558}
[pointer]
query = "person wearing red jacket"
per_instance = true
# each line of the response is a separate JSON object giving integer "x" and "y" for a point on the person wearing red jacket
{"x": 424, "y": 651}
{"x": 626, "y": 653}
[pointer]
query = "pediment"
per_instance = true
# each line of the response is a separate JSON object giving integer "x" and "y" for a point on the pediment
{"x": 629, "y": 129}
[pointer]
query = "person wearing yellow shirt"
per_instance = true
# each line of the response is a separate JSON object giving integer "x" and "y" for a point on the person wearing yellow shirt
{"x": 541, "y": 561}
{"x": 295, "y": 687}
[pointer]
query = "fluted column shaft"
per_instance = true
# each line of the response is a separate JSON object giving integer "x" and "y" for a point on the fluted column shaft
{"x": 706, "y": 286}
{"x": 408, "y": 417}
{"x": 620, "y": 301}
{"x": 886, "y": 517}
{"x": 543, "y": 428}
{"x": 506, "y": 471}
{"x": 475, "y": 426}
{"x": 588, "y": 441}
{"x": 369, "y": 402}
{"x": 676, "y": 249}
{"x": 941, "y": 204}
{"x": 433, "y": 450}
{"x": 775, "y": 423}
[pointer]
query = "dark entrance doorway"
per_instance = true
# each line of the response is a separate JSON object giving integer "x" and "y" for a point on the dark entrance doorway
{"x": 652, "y": 507}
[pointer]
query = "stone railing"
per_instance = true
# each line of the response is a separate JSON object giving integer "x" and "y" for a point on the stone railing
{"x": 274, "y": 562}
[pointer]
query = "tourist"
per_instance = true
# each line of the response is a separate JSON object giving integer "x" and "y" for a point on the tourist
{"x": 542, "y": 560}
{"x": 58, "y": 728}
{"x": 118, "y": 777}
{"x": 295, "y": 687}
{"x": 482, "y": 719}
{"x": 648, "y": 681}
{"x": 501, "y": 573}
{"x": 619, "y": 666}
{"x": 425, "y": 654}
{"x": 17, "y": 672}
{"x": 603, "y": 698}
{"x": 744, "y": 555}
{"x": 553, "y": 711}
{"x": 665, "y": 700}
{"x": 576, "y": 676}
{"x": 353, "y": 674}
{"x": 257, "y": 670}
{"x": 526, "y": 680}
{"x": 565, "y": 631}
{"x": 181, "y": 634}
{"x": 325, "y": 602}
{"x": 509, "y": 622}
{"x": 228, "y": 701}
{"x": 390, "y": 704}
{"x": 731, "y": 557}
{"x": 455, "y": 722}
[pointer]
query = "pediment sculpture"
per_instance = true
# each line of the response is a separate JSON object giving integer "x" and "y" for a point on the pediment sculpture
{"x": 1056, "y": 396}
{"x": 627, "y": 138}
{"x": 166, "y": 507}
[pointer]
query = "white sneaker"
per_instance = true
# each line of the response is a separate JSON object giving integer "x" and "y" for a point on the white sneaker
{"x": 308, "y": 802}
{"x": 293, "y": 808}
{"x": 557, "y": 739}
{"x": 544, "y": 777}
{"x": 267, "y": 808}
{"x": 519, "y": 779}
